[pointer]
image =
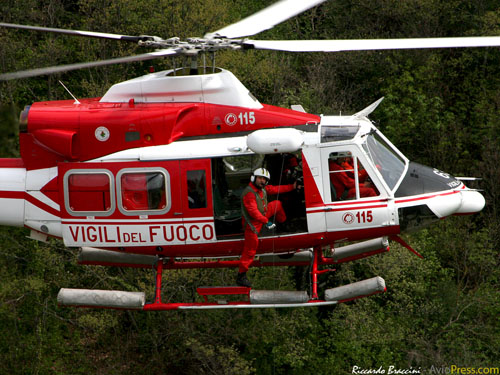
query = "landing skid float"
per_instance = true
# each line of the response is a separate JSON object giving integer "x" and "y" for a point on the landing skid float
{"x": 254, "y": 298}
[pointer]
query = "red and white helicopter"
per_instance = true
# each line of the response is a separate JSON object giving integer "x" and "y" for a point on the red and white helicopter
{"x": 149, "y": 175}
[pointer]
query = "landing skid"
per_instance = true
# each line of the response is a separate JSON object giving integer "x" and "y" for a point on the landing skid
{"x": 252, "y": 298}
{"x": 268, "y": 299}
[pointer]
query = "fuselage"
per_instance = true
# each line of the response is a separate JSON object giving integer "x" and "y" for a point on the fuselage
{"x": 154, "y": 171}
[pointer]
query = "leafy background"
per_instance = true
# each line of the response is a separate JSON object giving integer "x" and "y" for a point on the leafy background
{"x": 441, "y": 108}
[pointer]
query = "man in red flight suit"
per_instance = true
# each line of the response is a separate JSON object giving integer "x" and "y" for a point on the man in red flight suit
{"x": 342, "y": 182}
{"x": 256, "y": 212}
{"x": 348, "y": 165}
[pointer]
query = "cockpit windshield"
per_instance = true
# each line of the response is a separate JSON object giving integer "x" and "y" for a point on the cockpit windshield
{"x": 390, "y": 165}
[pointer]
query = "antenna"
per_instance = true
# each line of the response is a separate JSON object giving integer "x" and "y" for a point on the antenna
{"x": 69, "y": 92}
{"x": 365, "y": 112}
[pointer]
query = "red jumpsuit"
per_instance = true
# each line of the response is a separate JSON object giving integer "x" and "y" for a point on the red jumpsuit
{"x": 258, "y": 219}
{"x": 348, "y": 166}
{"x": 341, "y": 181}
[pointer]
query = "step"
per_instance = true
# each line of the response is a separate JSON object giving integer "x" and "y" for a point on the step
{"x": 222, "y": 290}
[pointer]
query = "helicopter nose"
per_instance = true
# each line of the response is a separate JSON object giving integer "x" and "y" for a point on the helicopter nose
{"x": 444, "y": 205}
{"x": 443, "y": 194}
{"x": 464, "y": 202}
{"x": 472, "y": 202}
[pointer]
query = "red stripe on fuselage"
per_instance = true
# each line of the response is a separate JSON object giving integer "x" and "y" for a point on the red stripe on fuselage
{"x": 106, "y": 221}
{"x": 426, "y": 197}
{"x": 347, "y": 206}
{"x": 12, "y": 194}
{"x": 29, "y": 198}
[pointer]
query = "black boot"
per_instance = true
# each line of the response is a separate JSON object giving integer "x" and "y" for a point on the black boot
{"x": 242, "y": 280}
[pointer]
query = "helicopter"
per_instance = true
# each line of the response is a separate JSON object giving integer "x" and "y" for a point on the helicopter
{"x": 150, "y": 174}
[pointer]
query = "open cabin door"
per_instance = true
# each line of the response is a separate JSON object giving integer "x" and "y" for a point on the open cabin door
{"x": 232, "y": 174}
{"x": 355, "y": 198}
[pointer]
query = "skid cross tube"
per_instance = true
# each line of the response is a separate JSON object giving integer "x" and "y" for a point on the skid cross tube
{"x": 314, "y": 273}
{"x": 159, "y": 274}
{"x": 318, "y": 259}
{"x": 112, "y": 258}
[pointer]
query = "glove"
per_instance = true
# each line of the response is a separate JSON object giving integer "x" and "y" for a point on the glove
{"x": 270, "y": 225}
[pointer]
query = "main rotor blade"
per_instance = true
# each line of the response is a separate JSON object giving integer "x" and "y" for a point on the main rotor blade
{"x": 93, "y": 64}
{"x": 265, "y": 19}
{"x": 91, "y": 34}
{"x": 371, "y": 44}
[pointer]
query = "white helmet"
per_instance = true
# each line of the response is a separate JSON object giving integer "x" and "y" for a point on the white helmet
{"x": 262, "y": 172}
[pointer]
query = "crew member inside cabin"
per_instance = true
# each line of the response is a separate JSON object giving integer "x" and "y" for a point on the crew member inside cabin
{"x": 257, "y": 212}
{"x": 348, "y": 165}
{"x": 343, "y": 183}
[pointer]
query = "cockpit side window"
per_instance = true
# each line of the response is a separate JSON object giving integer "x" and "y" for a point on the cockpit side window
{"x": 348, "y": 178}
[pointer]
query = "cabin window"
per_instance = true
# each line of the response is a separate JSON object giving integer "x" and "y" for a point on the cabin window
{"x": 348, "y": 178}
{"x": 197, "y": 189}
{"x": 143, "y": 191}
{"x": 338, "y": 133}
{"x": 88, "y": 193}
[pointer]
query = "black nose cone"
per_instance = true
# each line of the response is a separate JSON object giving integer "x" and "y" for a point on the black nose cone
{"x": 420, "y": 179}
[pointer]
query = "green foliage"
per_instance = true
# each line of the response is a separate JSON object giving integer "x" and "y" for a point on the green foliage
{"x": 441, "y": 108}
